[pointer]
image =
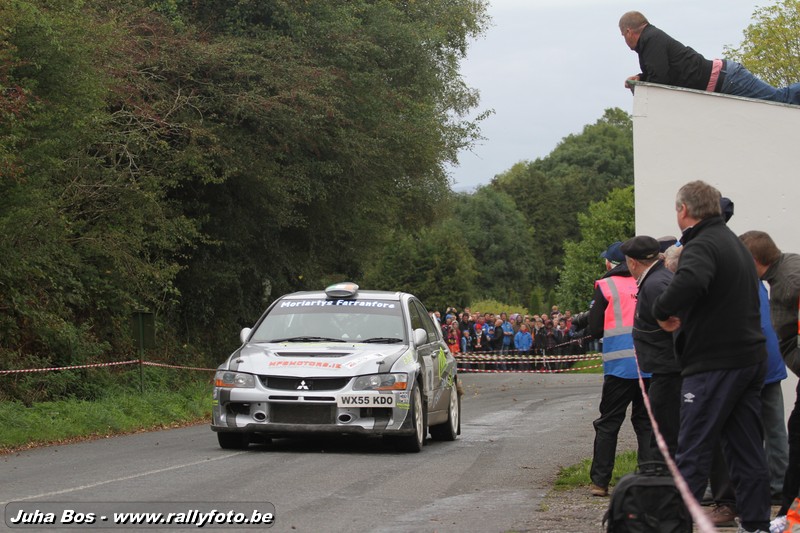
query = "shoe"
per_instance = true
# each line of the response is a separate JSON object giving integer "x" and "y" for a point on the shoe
{"x": 778, "y": 524}
{"x": 597, "y": 490}
{"x": 722, "y": 515}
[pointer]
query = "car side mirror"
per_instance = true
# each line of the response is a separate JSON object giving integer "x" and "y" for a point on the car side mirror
{"x": 244, "y": 334}
{"x": 420, "y": 337}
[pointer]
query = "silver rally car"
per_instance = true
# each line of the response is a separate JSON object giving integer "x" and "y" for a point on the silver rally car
{"x": 339, "y": 361}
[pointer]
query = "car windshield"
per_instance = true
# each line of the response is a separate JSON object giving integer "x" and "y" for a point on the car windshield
{"x": 321, "y": 320}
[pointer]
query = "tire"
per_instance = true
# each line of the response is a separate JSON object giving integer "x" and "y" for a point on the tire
{"x": 451, "y": 429}
{"x": 414, "y": 443}
{"x": 233, "y": 441}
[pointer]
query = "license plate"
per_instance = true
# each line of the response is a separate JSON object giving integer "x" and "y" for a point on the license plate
{"x": 365, "y": 400}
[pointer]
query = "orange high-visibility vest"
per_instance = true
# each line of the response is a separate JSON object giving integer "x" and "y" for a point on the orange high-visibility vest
{"x": 618, "y": 357}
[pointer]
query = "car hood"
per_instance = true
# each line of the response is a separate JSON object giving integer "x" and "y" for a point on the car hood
{"x": 315, "y": 359}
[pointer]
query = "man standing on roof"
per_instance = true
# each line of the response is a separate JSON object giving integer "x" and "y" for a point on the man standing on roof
{"x": 665, "y": 60}
{"x": 611, "y": 318}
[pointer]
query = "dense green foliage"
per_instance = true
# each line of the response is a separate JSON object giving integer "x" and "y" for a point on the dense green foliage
{"x": 496, "y": 307}
{"x": 501, "y": 242}
{"x": 433, "y": 262}
{"x": 550, "y": 192}
{"x": 505, "y": 241}
{"x": 605, "y": 222}
{"x": 771, "y": 45}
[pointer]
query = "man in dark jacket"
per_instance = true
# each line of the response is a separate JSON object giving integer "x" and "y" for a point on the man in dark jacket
{"x": 782, "y": 271}
{"x": 654, "y": 347}
{"x": 667, "y": 61}
{"x": 713, "y": 299}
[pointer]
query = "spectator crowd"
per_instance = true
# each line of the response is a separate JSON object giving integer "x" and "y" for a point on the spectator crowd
{"x": 551, "y": 333}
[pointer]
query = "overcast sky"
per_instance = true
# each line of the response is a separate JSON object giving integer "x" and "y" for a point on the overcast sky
{"x": 550, "y": 67}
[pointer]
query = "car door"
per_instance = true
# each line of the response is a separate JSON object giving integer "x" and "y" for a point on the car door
{"x": 436, "y": 359}
{"x": 426, "y": 353}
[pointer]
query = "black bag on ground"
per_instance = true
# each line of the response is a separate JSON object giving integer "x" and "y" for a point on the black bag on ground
{"x": 647, "y": 501}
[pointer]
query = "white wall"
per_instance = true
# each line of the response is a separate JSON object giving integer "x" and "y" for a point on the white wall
{"x": 748, "y": 149}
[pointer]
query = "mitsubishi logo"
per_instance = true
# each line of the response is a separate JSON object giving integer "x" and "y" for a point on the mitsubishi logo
{"x": 302, "y": 385}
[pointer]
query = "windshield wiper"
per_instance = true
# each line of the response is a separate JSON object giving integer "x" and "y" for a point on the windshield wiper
{"x": 383, "y": 340}
{"x": 307, "y": 339}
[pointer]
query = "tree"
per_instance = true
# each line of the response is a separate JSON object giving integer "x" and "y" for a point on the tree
{"x": 607, "y": 221}
{"x": 501, "y": 243}
{"x": 551, "y": 191}
{"x": 771, "y": 45}
{"x": 85, "y": 236}
{"x": 435, "y": 265}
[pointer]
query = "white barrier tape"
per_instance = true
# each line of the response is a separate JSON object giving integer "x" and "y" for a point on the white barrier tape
{"x": 148, "y": 363}
{"x": 518, "y": 371}
{"x": 95, "y": 365}
{"x": 27, "y": 370}
{"x": 493, "y": 364}
{"x": 501, "y": 357}
{"x": 578, "y": 340}
{"x": 504, "y": 362}
{"x": 701, "y": 519}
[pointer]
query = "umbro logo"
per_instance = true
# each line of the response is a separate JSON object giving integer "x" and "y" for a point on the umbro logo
{"x": 302, "y": 385}
{"x": 688, "y": 398}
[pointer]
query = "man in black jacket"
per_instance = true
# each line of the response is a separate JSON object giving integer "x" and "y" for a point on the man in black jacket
{"x": 782, "y": 272}
{"x": 667, "y": 61}
{"x": 654, "y": 347}
{"x": 713, "y": 299}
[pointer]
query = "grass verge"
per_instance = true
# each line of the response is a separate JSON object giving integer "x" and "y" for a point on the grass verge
{"x": 120, "y": 411}
{"x": 575, "y": 476}
{"x": 592, "y": 366}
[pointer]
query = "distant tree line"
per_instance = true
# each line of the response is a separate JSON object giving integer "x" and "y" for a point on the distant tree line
{"x": 506, "y": 241}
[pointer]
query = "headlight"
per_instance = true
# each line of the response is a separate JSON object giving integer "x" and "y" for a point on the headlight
{"x": 381, "y": 382}
{"x": 234, "y": 380}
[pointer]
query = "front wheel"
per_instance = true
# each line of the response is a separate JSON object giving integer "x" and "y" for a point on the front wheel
{"x": 450, "y": 430}
{"x": 414, "y": 443}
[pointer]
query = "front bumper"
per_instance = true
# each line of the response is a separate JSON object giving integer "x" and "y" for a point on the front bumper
{"x": 282, "y": 412}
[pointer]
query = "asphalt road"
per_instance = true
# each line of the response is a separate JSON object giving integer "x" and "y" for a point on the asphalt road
{"x": 517, "y": 430}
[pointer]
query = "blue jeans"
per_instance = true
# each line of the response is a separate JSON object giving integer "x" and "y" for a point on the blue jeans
{"x": 741, "y": 82}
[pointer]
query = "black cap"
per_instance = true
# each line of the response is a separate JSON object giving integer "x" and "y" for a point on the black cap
{"x": 726, "y": 206}
{"x": 613, "y": 253}
{"x": 641, "y": 247}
